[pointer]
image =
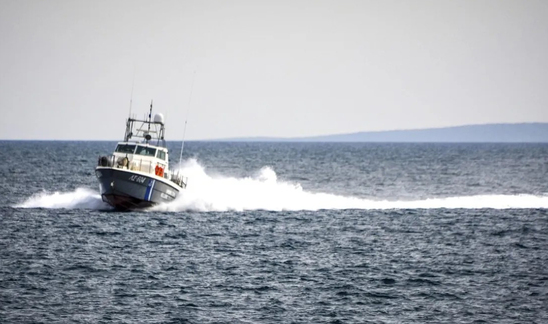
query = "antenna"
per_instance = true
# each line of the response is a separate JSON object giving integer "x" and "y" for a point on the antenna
{"x": 147, "y": 136}
{"x": 182, "y": 145}
{"x": 127, "y": 135}
{"x": 149, "y": 115}
{"x": 186, "y": 119}
{"x": 131, "y": 98}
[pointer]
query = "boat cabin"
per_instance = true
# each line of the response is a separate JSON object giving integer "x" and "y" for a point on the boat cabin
{"x": 142, "y": 157}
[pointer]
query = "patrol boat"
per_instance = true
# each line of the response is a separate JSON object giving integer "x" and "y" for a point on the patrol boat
{"x": 137, "y": 174}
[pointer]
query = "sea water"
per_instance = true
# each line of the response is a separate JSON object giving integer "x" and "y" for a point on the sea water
{"x": 280, "y": 232}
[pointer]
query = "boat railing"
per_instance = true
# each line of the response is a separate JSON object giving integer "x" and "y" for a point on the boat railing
{"x": 125, "y": 163}
{"x": 179, "y": 179}
{"x": 142, "y": 166}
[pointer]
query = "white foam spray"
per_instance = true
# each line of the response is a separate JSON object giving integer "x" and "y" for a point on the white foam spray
{"x": 264, "y": 191}
{"x": 81, "y": 198}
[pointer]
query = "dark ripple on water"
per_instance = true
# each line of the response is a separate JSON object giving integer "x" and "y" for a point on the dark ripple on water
{"x": 352, "y": 266}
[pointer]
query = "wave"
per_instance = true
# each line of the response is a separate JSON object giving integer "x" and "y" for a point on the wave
{"x": 81, "y": 198}
{"x": 319, "y": 201}
{"x": 264, "y": 191}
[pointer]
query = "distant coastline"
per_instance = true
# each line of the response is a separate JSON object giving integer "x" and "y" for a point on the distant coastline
{"x": 486, "y": 133}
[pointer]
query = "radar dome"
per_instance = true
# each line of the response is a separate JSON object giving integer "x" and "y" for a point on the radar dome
{"x": 159, "y": 118}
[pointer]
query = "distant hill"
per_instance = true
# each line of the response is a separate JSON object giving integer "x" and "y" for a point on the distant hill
{"x": 489, "y": 133}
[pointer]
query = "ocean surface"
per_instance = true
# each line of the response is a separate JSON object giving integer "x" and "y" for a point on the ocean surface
{"x": 280, "y": 233}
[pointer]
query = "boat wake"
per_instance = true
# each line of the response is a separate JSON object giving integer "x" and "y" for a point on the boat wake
{"x": 81, "y": 198}
{"x": 264, "y": 191}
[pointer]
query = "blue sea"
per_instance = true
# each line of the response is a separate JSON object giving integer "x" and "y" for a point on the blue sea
{"x": 280, "y": 233}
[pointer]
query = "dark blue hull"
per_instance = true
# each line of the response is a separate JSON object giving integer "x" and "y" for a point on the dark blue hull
{"x": 125, "y": 190}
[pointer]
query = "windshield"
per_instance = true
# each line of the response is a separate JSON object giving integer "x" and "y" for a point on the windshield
{"x": 125, "y": 148}
{"x": 148, "y": 151}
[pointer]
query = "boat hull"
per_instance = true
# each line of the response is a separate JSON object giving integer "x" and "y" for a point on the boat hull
{"x": 126, "y": 190}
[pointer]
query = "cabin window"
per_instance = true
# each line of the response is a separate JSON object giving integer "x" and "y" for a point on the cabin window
{"x": 125, "y": 148}
{"x": 161, "y": 155}
{"x": 148, "y": 151}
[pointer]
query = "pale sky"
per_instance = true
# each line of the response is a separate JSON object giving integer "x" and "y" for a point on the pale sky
{"x": 269, "y": 68}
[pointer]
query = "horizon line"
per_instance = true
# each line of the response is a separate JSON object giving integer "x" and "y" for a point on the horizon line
{"x": 305, "y": 138}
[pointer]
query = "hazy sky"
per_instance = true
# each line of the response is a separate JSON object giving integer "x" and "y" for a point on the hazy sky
{"x": 269, "y": 68}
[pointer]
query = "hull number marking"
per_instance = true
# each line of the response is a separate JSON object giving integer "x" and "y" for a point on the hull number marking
{"x": 137, "y": 178}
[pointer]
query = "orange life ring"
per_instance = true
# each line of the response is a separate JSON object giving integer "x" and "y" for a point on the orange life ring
{"x": 159, "y": 171}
